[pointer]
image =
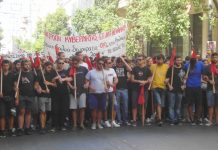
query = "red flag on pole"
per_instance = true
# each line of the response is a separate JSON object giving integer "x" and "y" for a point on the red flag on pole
{"x": 31, "y": 60}
{"x": 72, "y": 71}
{"x": 37, "y": 61}
{"x": 97, "y": 56}
{"x": 193, "y": 54}
{"x": 172, "y": 58}
{"x": 141, "y": 99}
{"x": 50, "y": 58}
{"x": 1, "y": 60}
{"x": 57, "y": 49}
{"x": 88, "y": 63}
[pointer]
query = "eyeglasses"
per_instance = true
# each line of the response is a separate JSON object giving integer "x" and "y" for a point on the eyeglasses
{"x": 61, "y": 63}
{"x": 139, "y": 59}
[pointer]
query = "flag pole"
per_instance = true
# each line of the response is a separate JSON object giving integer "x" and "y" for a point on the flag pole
{"x": 18, "y": 82}
{"x": 172, "y": 74}
{"x": 152, "y": 78}
{"x": 214, "y": 90}
{"x": 75, "y": 91}
{"x": 43, "y": 76}
{"x": 1, "y": 80}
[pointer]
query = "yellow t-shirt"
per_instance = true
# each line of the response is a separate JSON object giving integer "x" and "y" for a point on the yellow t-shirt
{"x": 159, "y": 75}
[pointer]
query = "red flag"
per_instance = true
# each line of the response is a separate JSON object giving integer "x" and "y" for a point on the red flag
{"x": 1, "y": 60}
{"x": 141, "y": 99}
{"x": 88, "y": 63}
{"x": 213, "y": 69}
{"x": 37, "y": 61}
{"x": 31, "y": 60}
{"x": 57, "y": 49}
{"x": 172, "y": 58}
{"x": 50, "y": 58}
{"x": 72, "y": 71}
{"x": 194, "y": 54}
{"x": 97, "y": 56}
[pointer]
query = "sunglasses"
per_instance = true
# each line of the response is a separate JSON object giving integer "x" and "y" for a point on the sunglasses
{"x": 139, "y": 59}
{"x": 61, "y": 63}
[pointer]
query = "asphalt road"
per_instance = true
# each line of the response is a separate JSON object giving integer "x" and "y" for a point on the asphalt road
{"x": 184, "y": 137}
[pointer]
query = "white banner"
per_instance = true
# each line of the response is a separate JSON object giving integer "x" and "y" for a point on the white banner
{"x": 112, "y": 43}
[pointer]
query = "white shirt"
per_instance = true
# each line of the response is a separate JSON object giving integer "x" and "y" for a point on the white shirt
{"x": 111, "y": 74}
{"x": 97, "y": 80}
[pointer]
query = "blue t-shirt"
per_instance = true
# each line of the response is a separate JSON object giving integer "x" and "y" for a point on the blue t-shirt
{"x": 194, "y": 77}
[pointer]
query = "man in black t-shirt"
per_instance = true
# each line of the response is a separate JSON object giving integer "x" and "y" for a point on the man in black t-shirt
{"x": 121, "y": 70}
{"x": 7, "y": 110}
{"x": 78, "y": 103}
{"x": 174, "y": 84}
{"x": 141, "y": 76}
{"x": 43, "y": 88}
{"x": 26, "y": 97}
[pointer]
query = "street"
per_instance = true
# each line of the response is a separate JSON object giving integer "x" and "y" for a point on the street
{"x": 184, "y": 137}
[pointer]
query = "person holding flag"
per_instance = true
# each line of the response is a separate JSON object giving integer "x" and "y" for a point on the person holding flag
{"x": 194, "y": 70}
{"x": 78, "y": 101}
{"x": 211, "y": 77}
{"x": 159, "y": 71}
{"x": 27, "y": 92}
{"x": 141, "y": 76}
{"x": 173, "y": 80}
{"x": 80, "y": 55}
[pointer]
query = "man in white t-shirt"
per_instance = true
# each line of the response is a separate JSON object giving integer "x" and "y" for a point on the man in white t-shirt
{"x": 81, "y": 56}
{"x": 96, "y": 82}
{"x": 112, "y": 81}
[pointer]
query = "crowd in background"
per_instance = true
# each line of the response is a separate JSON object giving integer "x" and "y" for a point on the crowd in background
{"x": 77, "y": 93}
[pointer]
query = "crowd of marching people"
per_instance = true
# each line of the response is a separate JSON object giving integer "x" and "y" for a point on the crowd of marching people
{"x": 79, "y": 92}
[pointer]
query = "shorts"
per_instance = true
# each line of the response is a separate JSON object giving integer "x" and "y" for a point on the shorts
{"x": 135, "y": 96}
{"x": 212, "y": 99}
{"x": 97, "y": 101}
{"x": 44, "y": 104}
{"x": 159, "y": 96}
{"x": 80, "y": 102}
{"x": 193, "y": 96}
{"x": 26, "y": 102}
{"x": 5, "y": 108}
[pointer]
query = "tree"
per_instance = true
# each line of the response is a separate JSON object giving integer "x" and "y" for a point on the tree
{"x": 56, "y": 23}
{"x": 158, "y": 20}
{"x": 98, "y": 19}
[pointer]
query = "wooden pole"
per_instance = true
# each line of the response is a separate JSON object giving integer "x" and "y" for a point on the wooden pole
{"x": 43, "y": 76}
{"x": 18, "y": 82}
{"x": 172, "y": 74}
{"x": 214, "y": 90}
{"x": 74, "y": 78}
{"x": 1, "y": 80}
{"x": 149, "y": 88}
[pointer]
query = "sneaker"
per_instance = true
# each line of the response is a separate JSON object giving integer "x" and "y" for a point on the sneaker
{"x": 148, "y": 120}
{"x": 114, "y": 124}
{"x": 20, "y": 132}
{"x": 206, "y": 120}
{"x": 159, "y": 123}
{"x": 28, "y": 131}
{"x": 127, "y": 123}
{"x": 209, "y": 123}
{"x": 100, "y": 126}
{"x": 200, "y": 123}
{"x": 107, "y": 124}
{"x": 93, "y": 126}
{"x": 74, "y": 128}
{"x": 42, "y": 131}
{"x": 193, "y": 123}
{"x": 53, "y": 130}
{"x": 82, "y": 127}
{"x": 2, "y": 134}
{"x": 134, "y": 123}
{"x": 63, "y": 129}
{"x": 12, "y": 132}
{"x": 172, "y": 124}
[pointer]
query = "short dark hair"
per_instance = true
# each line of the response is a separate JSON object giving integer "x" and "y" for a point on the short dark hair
{"x": 100, "y": 59}
{"x": 75, "y": 58}
{"x": 47, "y": 63}
{"x": 214, "y": 54}
{"x": 160, "y": 57}
{"x": 59, "y": 54}
{"x": 77, "y": 53}
{"x": 17, "y": 61}
{"x": 5, "y": 61}
{"x": 24, "y": 61}
{"x": 141, "y": 55}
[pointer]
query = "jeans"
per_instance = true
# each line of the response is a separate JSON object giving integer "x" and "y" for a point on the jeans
{"x": 159, "y": 96}
{"x": 175, "y": 99}
{"x": 122, "y": 98}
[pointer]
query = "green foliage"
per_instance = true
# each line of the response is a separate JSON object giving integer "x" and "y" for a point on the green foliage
{"x": 158, "y": 20}
{"x": 56, "y": 23}
{"x": 97, "y": 19}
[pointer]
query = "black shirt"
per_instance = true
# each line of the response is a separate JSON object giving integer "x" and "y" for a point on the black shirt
{"x": 177, "y": 78}
{"x": 80, "y": 79}
{"x": 208, "y": 73}
{"x": 48, "y": 77}
{"x": 8, "y": 84}
{"x": 141, "y": 74}
{"x": 62, "y": 87}
{"x": 26, "y": 85}
{"x": 122, "y": 77}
